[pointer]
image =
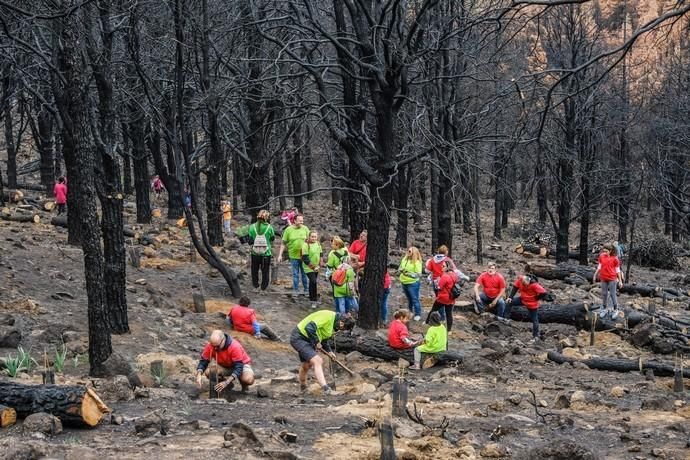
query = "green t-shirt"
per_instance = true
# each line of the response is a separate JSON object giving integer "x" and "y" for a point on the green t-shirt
{"x": 313, "y": 251}
{"x": 335, "y": 258}
{"x": 346, "y": 290}
{"x": 294, "y": 238}
{"x": 324, "y": 321}
{"x": 265, "y": 229}
{"x": 436, "y": 340}
{"x": 410, "y": 271}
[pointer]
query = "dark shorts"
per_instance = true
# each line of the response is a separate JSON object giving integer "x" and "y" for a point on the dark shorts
{"x": 302, "y": 345}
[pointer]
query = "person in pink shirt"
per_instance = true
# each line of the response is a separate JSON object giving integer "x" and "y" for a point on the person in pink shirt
{"x": 60, "y": 192}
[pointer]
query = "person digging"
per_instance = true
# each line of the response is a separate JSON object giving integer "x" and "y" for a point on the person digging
{"x": 232, "y": 362}
{"x": 312, "y": 335}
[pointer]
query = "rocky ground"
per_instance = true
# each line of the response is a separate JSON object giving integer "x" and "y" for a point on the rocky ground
{"x": 506, "y": 400}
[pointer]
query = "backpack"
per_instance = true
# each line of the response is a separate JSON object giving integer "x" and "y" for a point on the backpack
{"x": 456, "y": 290}
{"x": 260, "y": 241}
{"x": 339, "y": 277}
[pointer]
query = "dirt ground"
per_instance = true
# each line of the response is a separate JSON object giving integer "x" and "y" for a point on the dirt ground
{"x": 517, "y": 405}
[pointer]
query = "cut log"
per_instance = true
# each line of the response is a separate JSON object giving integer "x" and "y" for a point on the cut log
{"x": 48, "y": 205}
{"x": 34, "y": 187}
{"x": 8, "y": 416}
{"x": 61, "y": 221}
{"x": 199, "y": 303}
{"x": 73, "y": 405}
{"x": 620, "y": 364}
{"x": 12, "y": 196}
{"x": 541, "y": 251}
{"x": 378, "y": 348}
{"x": 24, "y": 218}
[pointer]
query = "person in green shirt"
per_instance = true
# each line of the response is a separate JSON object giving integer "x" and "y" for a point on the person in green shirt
{"x": 311, "y": 262}
{"x": 344, "y": 294}
{"x": 435, "y": 340}
{"x": 312, "y": 334}
{"x": 410, "y": 275}
{"x": 261, "y": 236}
{"x": 294, "y": 237}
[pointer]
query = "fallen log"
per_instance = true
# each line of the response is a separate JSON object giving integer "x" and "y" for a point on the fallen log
{"x": 12, "y": 196}
{"x": 73, "y": 405}
{"x": 532, "y": 249}
{"x": 8, "y": 416}
{"x": 376, "y": 347}
{"x": 660, "y": 369}
{"x": 61, "y": 221}
{"x": 34, "y": 187}
{"x": 33, "y": 218}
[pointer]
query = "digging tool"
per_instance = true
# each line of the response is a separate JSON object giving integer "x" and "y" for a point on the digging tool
{"x": 339, "y": 363}
{"x": 330, "y": 369}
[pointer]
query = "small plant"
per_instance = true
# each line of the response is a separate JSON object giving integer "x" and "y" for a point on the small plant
{"x": 186, "y": 409}
{"x": 159, "y": 375}
{"x": 13, "y": 365}
{"x": 75, "y": 361}
{"x": 60, "y": 357}
{"x": 25, "y": 359}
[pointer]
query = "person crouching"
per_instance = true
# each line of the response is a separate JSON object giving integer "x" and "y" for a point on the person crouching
{"x": 232, "y": 362}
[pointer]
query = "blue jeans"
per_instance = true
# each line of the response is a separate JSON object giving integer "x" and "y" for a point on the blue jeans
{"x": 297, "y": 268}
{"x": 500, "y": 304}
{"x": 533, "y": 314}
{"x": 345, "y": 305}
{"x": 412, "y": 293}
{"x": 384, "y": 304}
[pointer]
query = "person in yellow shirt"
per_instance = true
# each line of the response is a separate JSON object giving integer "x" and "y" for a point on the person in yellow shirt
{"x": 410, "y": 275}
{"x": 226, "y": 208}
{"x": 435, "y": 340}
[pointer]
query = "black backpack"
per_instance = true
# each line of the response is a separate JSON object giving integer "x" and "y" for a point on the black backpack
{"x": 456, "y": 290}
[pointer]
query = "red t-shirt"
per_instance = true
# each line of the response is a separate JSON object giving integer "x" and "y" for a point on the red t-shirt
{"x": 529, "y": 293}
{"x": 242, "y": 318}
{"x": 60, "y": 192}
{"x": 359, "y": 249}
{"x": 445, "y": 284}
{"x": 228, "y": 356}
{"x": 609, "y": 266}
{"x": 396, "y": 333}
{"x": 491, "y": 284}
{"x": 435, "y": 266}
{"x": 386, "y": 280}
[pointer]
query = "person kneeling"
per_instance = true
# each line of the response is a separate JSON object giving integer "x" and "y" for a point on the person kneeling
{"x": 243, "y": 319}
{"x": 311, "y": 335}
{"x": 232, "y": 362}
{"x": 435, "y": 341}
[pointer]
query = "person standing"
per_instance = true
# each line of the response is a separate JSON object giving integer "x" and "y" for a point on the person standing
{"x": 261, "y": 235}
{"x": 410, "y": 274}
{"x": 609, "y": 273}
{"x": 157, "y": 185}
{"x": 359, "y": 248}
{"x": 311, "y": 262}
{"x": 444, "y": 302}
{"x": 313, "y": 334}
{"x": 226, "y": 209}
{"x": 233, "y": 364}
{"x": 530, "y": 292}
{"x": 60, "y": 192}
{"x": 294, "y": 237}
{"x": 435, "y": 340}
{"x": 434, "y": 266}
{"x": 242, "y": 318}
{"x": 493, "y": 287}
{"x": 344, "y": 283}
{"x": 336, "y": 256}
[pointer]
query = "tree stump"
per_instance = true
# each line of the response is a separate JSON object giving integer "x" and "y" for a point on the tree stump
{"x": 399, "y": 397}
{"x": 386, "y": 439}
{"x": 48, "y": 377}
{"x": 8, "y": 416}
{"x": 134, "y": 258}
{"x": 199, "y": 303}
{"x": 678, "y": 386}
{"x": 73, "y": 405}
{"x": 212, "y": 382}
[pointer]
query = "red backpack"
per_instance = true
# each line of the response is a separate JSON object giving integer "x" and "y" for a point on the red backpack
{"x": 339, "y": 277}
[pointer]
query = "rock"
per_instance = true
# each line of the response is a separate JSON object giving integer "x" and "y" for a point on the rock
{"x": 662, "y": 403}
{"x": 354, "y": 356}
{"x": 659, "y": 453}
{"x": 568, "y": 342}
{"x": 155, "y": 422}
{"x": 373, "y": 374}
{"x": 150, "y": 252}
{"x": 578, "y": 396}
{"x": 492, "y": 450}
{"x": 580, "y": 365}
{"x": 42, "y": 422}
{"x": 262, "y": 392}
{"x": 117, "y": 420}
{"x": 497, "y": 405}
{"x": 422, "y": 400}
{"x": 228, "y": 444}
{"x": 242, "y": 430}
{"x": 289, "y": 378}
{"x": 572, "y": 353}
{"x": 517, "y": 418}
{"x": 543, "y": 403}
{"x": 9, "y": 337}
{"x": 515, "y": 399}
{"x": 287, "y": 436}
{"x": 115, "y": 389}
{"x": 141, "y": 281}
{"x": 407, "y": 430}
{"x": 80, "y": 347}
{"x": 466, "y": 452}
{"x": 201, "y": 425}
{"x": 362, "y": 388}
{"x": 617, "y": 392}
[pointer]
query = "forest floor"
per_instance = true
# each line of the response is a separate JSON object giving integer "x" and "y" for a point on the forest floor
{"x": 518, "y": 406}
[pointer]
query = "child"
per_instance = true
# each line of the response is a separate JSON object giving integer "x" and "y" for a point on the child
{"x": 398, "y": 335}
{"x": 243, "y": 319}
{"x": 227, "y": 216}
{"x": 343, "y": 280}
{"x": 311, "y": 262}
{"x": 435, "y": 341}
{"x": 60, "y": 192}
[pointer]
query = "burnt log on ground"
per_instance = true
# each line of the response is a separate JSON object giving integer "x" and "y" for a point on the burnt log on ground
{"x": 61, "y": 221}
{"x": 33, "y": 187}
{"x": 660, "y": 369}
{"x": 22, "y": 218}
{"x": 73, "y": 405}
{"x": 377, "y": 347}
{"x": 12, "y": 196}
{"x": 532, "y": 249}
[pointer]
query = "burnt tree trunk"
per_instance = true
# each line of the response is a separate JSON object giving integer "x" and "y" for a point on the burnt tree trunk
{"x": 8, "y": 88}
{"x": 620, "y": 364}
{"x": 359, "y": 212}
{"x": 128, "y": 186}
{"x": 42, "y": 133}
{"x": 402, "y": 197}
{"x": 141, "y": 167}
{"x": 73, "y": 211}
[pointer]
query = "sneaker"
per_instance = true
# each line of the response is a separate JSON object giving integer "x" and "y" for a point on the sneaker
{"x": 256, "y": 290}
{"x": 603, "y": 312}
{"x": 417, "y": 317}
{"x": 414, "y": 367}
{"x": 314, "y": 306}
{"x": 331, "y": 392}
{"x": 534, "y": 340}
{"x": 616, "y": 314}
{"x": 503, "y": 320}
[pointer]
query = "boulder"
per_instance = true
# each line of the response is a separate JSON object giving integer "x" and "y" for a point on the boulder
{"x": 42, "y": 422}
{"x": 114, "y": 389}
{"x": 155, "y": 422}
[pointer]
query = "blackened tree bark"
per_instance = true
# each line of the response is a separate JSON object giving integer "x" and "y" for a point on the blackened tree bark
{"x": 73, "y": 104}
{"x": 74, "y": 227}
{"x": 128, "y": 187}
{"x": 8, "y": 88}
{"x": 279, "y": 179}
{"x": 42, "y": 132}
{"x": 141, "y": 166}
{"x": 295, "y": 167}
{"x": 402, "y": 198}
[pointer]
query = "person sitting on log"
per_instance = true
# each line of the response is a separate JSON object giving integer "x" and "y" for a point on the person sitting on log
{"x": 398, "y": 335}
{"x": 435, "y": 340}
{"x": 434, "y": 266}
{"x": 312, "y": 335}
{"x": 444, "y": 302}
{"x": 609, "y": 272}
{"x": 530, "y": 293}
{"x": 232, "y": 362}
{"x": 493, "y": 287}
{"x": 242, "y": 318}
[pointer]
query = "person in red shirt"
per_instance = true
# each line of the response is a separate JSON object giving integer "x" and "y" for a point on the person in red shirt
{"x": 530, "y": 292}
{"x": 359, "y": 248}
{"x": 398, "y": 335}
{"x": 609, "y": 272}
{"x": 60, "y": 192}
{"x": 434, "y": 266}
{"x": 384, "y": 298}
{"x": 493, "y": 287}
{"x": 243, "y": 319}
{"x": 444, "y": 301}
{"x": 232, "y": 362}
